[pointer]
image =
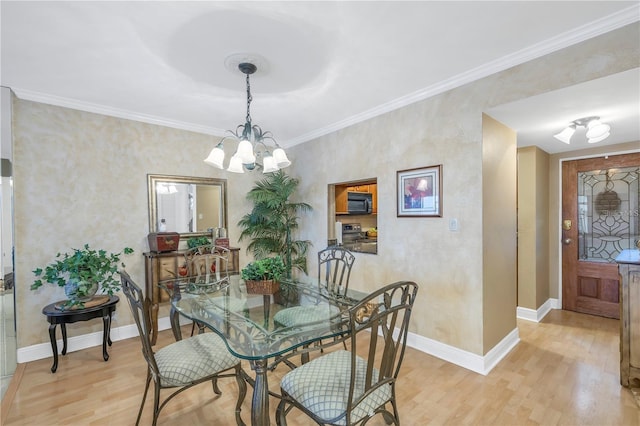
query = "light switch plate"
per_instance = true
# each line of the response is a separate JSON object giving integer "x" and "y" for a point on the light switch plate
{"x": 453, "y": 224}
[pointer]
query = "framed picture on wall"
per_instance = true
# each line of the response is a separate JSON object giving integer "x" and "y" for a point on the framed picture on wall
{"x": 420, "y": 192}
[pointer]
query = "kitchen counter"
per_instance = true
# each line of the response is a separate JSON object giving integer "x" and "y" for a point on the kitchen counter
{"x": 366, "y": 245}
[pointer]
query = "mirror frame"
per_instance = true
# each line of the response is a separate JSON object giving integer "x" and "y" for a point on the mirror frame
{"x": 153, "y": 180}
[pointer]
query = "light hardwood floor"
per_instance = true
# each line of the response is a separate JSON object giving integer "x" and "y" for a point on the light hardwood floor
{"x": 565, "y": 371}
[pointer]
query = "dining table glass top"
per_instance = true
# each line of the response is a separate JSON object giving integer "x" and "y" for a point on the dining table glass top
{"x": 261, "y": 326}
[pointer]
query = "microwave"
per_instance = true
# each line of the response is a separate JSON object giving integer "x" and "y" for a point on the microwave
{"x": 359, "y": 202}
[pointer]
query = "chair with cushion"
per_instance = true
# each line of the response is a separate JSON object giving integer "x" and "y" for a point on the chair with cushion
{"x": 334, "y": 270}
{"x": 349, "y": 387}
{"x": 182, "y": 364}
{"x": 207, "y": 269}
{"x": 208, "y": 265}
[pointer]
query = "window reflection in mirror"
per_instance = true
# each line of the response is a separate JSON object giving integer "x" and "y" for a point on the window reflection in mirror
{"x": 187, "y": 205}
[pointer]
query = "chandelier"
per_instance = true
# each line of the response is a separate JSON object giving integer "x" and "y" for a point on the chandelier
{"x": 253, "y": 151}
{"x": 596, "y": 130}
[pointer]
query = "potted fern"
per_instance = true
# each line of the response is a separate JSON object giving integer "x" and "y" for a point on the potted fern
{"x": 82, "y": 272}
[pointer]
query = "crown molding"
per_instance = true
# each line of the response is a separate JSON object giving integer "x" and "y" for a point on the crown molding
{"x": 30, "y": 95}
{"x": 569, "y": 38}
{"x": 604, "y": 25}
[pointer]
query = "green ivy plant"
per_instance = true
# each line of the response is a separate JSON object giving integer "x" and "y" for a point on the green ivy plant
{"x": 198, "y": 241}
{"x": 84, "y": 266}
{"x": 268, "y": 268}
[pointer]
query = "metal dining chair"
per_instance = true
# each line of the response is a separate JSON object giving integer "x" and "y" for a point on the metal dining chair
{"x": 207, "y": 268}
{"x": 334, "y": 270}
{"x": 342, "y": 387}
{"x": 183, "y": 364}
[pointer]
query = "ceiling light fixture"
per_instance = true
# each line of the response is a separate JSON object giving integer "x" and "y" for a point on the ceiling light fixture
{"x": 251, "y": 142}
{"x": 596, "y": 130}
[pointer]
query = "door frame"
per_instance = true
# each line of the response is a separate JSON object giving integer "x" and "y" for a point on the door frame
{"x": 558, "y": 304}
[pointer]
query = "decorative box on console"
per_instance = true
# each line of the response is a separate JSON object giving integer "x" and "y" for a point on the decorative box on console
{"x": 222, "y": 242}
{"x": 163, "y": 241}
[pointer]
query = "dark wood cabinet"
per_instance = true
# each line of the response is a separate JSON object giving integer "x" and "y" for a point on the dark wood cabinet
{"x": 164, "y": 266}
{"x": 629, "y": 269}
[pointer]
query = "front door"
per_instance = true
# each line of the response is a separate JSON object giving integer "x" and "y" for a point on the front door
{"x": 599, "y": 219}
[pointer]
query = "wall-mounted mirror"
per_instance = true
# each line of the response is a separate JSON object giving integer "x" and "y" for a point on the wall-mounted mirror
{"x": 190, "y": 206}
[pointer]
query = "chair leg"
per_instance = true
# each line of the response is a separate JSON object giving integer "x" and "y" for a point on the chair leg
{"x": 396, "y": 414}
{"x": 281, "y": 413}
{"x": 216, "y": 389}
{"x": 242, "y": 392}
{"x": 144, "y": 397}
{"x": 156, "y": 402}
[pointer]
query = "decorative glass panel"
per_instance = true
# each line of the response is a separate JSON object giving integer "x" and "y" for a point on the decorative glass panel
{"x": 607, "y": 213}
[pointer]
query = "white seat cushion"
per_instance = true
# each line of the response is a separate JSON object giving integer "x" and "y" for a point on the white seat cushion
{"x": 188, "y": 360}
{"x": 322, "y": 387}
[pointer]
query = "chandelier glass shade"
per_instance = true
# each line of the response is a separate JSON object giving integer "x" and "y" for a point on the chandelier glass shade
{"x": 596, "y": 130}
{"x": 256, "y": 148}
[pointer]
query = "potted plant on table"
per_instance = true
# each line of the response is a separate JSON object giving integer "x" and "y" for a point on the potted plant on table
{"x": 262, "y": 276}
{"x": 82, "y": 273}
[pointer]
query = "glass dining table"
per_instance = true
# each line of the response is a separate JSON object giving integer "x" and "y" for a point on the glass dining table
{"x": 264, "y": 329}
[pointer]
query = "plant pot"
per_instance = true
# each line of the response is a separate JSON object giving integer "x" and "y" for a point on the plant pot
{"x": 262, "y": 286}
{"x": 78, "y": 291}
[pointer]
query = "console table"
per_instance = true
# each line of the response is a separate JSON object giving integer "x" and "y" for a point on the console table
{"x": 162, "y": 266}
{"x": 57, "y": 316}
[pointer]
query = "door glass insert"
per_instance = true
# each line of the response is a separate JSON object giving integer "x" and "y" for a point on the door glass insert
{"x": 607, "y": 213}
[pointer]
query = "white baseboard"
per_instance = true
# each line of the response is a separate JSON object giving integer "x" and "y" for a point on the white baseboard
{"x": 477, "y": 363}
{"x": 536, "y": 315}
{"x": 76, "y": 343}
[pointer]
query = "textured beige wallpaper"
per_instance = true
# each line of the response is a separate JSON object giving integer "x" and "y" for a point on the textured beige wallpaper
{"x": 499, "y": 174}
{"x": 445, "y": 129}
{"x": 533, "y": 227}
{"x": 81, "y": 177}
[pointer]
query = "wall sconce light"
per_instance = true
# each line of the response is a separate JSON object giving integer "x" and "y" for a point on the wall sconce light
{"x": 252, "y": 142}
{"x": 596, "y": 130}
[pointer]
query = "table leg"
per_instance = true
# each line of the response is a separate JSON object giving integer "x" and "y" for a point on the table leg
{"x": 106, "y": 322}
{"x": 154, "y": 323}
{"x": 266, "y": 300}
{"x": 111, "y": 311}
{"x": 54, "y": 347}
{"x": 63, "y": 327}
{"x": 174, "y": 319}
{"x": 260, "y": 401}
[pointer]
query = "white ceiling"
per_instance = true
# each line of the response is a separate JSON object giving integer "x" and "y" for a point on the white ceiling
{"x": 322, "y": 65}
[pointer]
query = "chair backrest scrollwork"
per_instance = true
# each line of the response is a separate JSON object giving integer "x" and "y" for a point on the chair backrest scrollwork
{"x": 334, "y": 269}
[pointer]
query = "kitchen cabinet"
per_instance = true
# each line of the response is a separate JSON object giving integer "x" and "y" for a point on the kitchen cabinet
{"x": 629, "y": 269}
{"x": 373, "y": 189}
{"x": 341, "y": 199}
{"x": 341, "y": 196}
{"x": 164, "y": 266}
{"x": 359, "y": 188}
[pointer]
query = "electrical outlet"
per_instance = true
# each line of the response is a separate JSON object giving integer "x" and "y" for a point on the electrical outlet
{"x": 453, "y": 224}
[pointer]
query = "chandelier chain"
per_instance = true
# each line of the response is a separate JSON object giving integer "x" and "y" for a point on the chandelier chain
{"x": 249, "y": 99}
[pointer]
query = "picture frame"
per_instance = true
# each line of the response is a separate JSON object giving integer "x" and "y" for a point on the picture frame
{"x": 419, "y": 192}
